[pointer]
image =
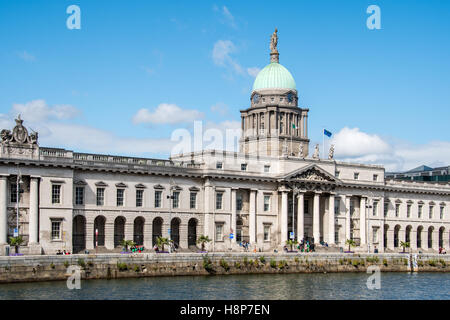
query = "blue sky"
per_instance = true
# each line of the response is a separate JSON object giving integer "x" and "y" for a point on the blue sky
{"x": 385, "y": 94}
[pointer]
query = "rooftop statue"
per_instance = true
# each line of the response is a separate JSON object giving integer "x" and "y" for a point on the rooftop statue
{"x": 316, "y": 152}
{"x": 331, "y": 153}
{"x": 274, "y": 42}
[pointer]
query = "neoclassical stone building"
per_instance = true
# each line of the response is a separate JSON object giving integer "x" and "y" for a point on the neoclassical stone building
{"x": 270, "y": 191}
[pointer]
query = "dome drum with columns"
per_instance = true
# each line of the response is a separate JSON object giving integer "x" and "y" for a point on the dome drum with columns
{"x": 274, "y": 124}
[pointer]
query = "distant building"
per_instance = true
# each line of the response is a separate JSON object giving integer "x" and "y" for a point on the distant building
{"x": 422, "y": 173}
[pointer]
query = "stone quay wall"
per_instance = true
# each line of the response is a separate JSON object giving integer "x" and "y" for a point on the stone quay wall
{"x": 112, "y": 266}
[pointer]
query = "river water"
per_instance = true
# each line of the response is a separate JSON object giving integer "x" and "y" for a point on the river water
{"x": 271, "y": 286}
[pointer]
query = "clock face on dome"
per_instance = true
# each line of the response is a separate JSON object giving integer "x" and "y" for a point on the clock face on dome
{"x": 256, "y": 98}
{"x": 290, "y": 97}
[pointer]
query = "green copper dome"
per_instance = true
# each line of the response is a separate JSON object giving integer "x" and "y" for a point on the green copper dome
{"x": 274, "y": 76}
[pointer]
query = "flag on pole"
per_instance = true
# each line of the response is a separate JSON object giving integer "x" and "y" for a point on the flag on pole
{"x": 327, "y": 133}
{"x": 293, "y": 126}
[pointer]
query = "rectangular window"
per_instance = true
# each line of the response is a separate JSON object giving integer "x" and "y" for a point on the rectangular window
{"x": 430, "y": 212}
{"x": 120, "y": 196}
{"x": 56, "y": 230}
{"x": 219, "y": 231}
{"x": 419, "y": 213}
{"x": 56, "y": 193}
{"x": 375, "y": 177}
{"x": 193, "y": 200}
{"x": 266, "y": 232}
{"x": 408, "y": 211}
{"x": 374, "y": 235}
{"x": 336, "y": 235}
{"x": 219, "y": 165}
{"x": 243, "y": 167}
{"x": 139, "y": 197}
{"x": 306, "y": 206}
{"x": 375, "y": 209}
{"x": 441, "y": 213}
{"x": 79, "y": 195}
{"x": 100, "y": 196}
{"x": 352, "y": 208}
{"x": 337, "y": 174}
{"x": 266, "y": 203}
{"x": 239, "y": 202}
{"x": 356, "y": 175}
{"x": 13, "y": 193}
{"x": 386, "y": 208}
{"x": 337, "y": 206}
{"x": 397, "y": 209}
{"x": 158, "y": 195}
{"x": 266, "y": 168}
{"x": 219, "y": 196}
{"x": 176, "y": 199}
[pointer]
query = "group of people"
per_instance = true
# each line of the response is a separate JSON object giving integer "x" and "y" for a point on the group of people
{"x": 245, "y": 244}
{"x": 64, "y": 252}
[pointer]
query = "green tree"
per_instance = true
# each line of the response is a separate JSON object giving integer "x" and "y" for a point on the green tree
{"x": 351, "y": 243}
{"x": 127, "y": 243}
{"x": 203, "y": 240}
{"x": 291, "y": 243}
{"x": 161, "y": 242}
{"x": 16, "y": 242}
{"x": 404, "y": 245}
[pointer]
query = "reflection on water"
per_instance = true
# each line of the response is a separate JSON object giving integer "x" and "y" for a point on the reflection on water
{"x": 282, "y": 286}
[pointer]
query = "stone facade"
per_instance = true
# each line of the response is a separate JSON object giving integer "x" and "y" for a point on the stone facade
{"x": 265, "y": 193}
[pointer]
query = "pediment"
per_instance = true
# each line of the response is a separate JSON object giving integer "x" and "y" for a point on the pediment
{"x": 311, "y": 173}
{"x": 158, "y": 186}
{"x": 101, "y": 184}
{"x": 121, "y": 185}
{"x": 140, "y": 186}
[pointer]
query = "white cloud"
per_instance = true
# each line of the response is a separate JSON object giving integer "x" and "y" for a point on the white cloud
{"x": 353, "y": 145}
{"x": 28, "y": 57}
{"x": 220, "y": 108}
{"x": 38, "y": 110}
{"x": 167, "y": 114}
{"x": 222, "y": 56}
{"x": 253, "y": 71}
{"x": 229, "y": 17}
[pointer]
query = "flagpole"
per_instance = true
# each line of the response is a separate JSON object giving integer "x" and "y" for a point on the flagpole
{"x": 323, "y": 143}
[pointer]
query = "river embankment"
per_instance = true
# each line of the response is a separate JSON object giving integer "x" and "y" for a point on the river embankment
{"x": 113, "y": 266}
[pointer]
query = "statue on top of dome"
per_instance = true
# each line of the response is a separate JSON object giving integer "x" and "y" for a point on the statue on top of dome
{"x": 274, "y": 42}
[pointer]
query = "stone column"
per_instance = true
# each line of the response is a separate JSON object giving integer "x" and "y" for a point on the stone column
{"x": 316, "y": 218}
{"x": 306, "y": 126}
{"x": 301, "y": 125}
{"x": 148, "y": 233}
{"x": 34, "y": 211}
{"x": 252, "y": 213}
{"x": 390, "y": 238}
{"x": 413, "y": 240}
{"x": 347, "y": 218}
{"x": 331, "y": 219}
{"x": 208, "y": 209}
{"x": 435, "y": 239}
{"x": 89, "y": 236}
{"x": 3, "y": 211}
{"x": 300, "y": 217}
{"x": 362, "y": 221}
{"x": 284, "y": 217}
{"x": 109, "y": 233}
{"x": 233, "y": 214}
{"x": 129, "y": 229}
